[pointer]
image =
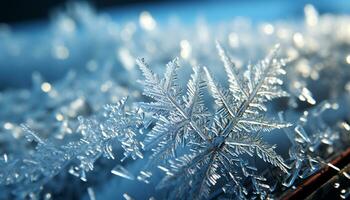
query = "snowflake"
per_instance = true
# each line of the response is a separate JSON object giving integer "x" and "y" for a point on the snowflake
{"x": 216, "y": 143}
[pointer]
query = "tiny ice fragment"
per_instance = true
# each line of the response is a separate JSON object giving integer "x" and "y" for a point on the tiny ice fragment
{"x": 345, "y": 195}
{"x": 79, "y": 174}
{"x": 127, "y": 197}
{"x": 346, "y": 126}
{"x": 83, "y": 176}
{"x": 47, "y": 196}
{"x": 122, "y": 172}
{"x": 334, "y": 167}
{"x": 163, "y": 168}
{"x": 91, "y": 193}
{"x": 144, "y": 176}
{"x": 336, "y": 185}
{"x": 5, "y": 158}
{"x": 346, "y": 175}
{"x": 73, "y": 172}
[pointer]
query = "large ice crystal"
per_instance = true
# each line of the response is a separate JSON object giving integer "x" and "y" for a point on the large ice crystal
{"x": 205, "y": 147}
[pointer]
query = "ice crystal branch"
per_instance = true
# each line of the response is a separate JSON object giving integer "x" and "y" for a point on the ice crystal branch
{"x": 180, "y": 116}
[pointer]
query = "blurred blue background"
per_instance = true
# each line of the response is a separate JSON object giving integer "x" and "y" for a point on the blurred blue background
{"x": 27, "y": 24}
{"x": 16, "y": 11}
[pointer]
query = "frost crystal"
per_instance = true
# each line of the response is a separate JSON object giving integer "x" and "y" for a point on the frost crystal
{"x": 306, "y": 145}
{"x": 99, "y": 134}
{"x": 208, "y": 149}
{"x": 122, "y": 172}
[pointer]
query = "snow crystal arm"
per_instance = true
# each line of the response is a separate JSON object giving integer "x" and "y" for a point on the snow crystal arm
{"x": 236, "y": 84}
{"x": 261, "y": 124}
{"x": 197, "y": 168}
{"x": 151, "y": 78}
{"x": 209, "y": 177}
{"x": 195, "y": 89}
{"x": 262, "y": 149}
{"x": 263, "y": 85}
{"x": 219, "y": 94}
{"x": 166, "y": 95}
{"x": 171, "y": 75}
{"x": 31, "y": 135}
